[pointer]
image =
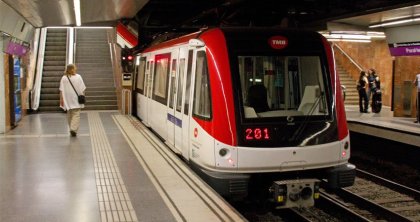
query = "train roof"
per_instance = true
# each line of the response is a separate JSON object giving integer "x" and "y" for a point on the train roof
{"x": 232, "y": 33}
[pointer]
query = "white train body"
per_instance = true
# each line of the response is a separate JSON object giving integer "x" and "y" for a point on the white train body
{"x": 241, "y": 105}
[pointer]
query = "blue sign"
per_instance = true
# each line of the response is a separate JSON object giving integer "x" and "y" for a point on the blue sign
{"x": 17, "y": 93}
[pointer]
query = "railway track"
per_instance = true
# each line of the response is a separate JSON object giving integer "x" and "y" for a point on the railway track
{"x": 371, "y": 198}
{"x": 375, "y": 198}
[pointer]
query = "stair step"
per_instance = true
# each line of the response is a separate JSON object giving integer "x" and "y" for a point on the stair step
{"x": 55, "y": 53}
{"x": 55, "y": 68}
{"x": 55, "y": 96}
{"x": 49, "y": 103}
{"x": 50, "y": 109}
{"x": 55, "y": 43}
{"x": 99, "y": 93}
{"x": 55, "y": 57}
{"x": 54, "y": 63}
{"x": 46, "y": 79}
{"x": 50, "y": 91}
{"x": 101, "y": 97}
{"x": 52, "y": 73}
{"x": 50, "y": 85}
{"x": 102, "y": 78}
{"x": 101, "y": 102}
{"x": 101, "y": 107}
{"x": 103, "y": 84}
{"x": 55, "y": 48}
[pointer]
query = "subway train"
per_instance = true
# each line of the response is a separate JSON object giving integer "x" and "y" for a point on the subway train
{"x": 250, "y": 110}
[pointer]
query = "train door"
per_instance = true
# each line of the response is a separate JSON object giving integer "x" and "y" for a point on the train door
{"x": 177, "y": 122}
{"x": 186, "y": 64}
{"x": 148, "y": 88}
{"x": 172, "y": 122}
{"x": 179, "y": 100}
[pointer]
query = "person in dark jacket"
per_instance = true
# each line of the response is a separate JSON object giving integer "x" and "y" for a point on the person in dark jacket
{"x": 362, "y": 85}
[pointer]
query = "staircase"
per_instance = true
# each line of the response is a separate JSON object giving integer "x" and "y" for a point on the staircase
{"x": 53, "y": 69}
{"x": 352, "y": 96}
{"x": 93, "y": 62}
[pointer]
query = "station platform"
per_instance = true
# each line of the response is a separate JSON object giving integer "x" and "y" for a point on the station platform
{"x": 384, "y": 125}
{"x": 114, "y": 170}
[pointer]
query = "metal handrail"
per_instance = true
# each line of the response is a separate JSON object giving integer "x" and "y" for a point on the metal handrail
{"x": 351, "y": 60}
{"x": 36, "y": 88}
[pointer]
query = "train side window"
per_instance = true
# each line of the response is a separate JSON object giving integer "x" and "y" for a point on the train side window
{"x": 161, "y": 76}
{"x": 140, "y": 75}
{"x": 202, "y": 100}
{"x": 181, "y": 69}
{"x": 172, "y": 89}
{"x": 188, "y": 82}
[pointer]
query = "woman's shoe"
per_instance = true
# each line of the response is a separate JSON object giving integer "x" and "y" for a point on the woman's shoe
{"x": 73, "y": 134}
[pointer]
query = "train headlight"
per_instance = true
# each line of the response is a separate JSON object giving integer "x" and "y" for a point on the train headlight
{"x": 346, "y": 145}
{"x": 223, "y": 152}
{"x": 306, "y": 193}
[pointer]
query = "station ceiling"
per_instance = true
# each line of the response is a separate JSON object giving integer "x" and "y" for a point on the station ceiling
{"x": 157, "y": 16}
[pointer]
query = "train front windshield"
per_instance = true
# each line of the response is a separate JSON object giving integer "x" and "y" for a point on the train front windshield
{"x": 282, "y": 86}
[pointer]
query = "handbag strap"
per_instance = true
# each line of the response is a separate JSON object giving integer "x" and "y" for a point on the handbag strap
{"x": 72, "y": 85}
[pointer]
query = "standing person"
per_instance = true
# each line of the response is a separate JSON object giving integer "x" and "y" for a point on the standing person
{"x": 371, "y": 80}
{"x": 416, "y": 83}
{"x": 361, "y": 89}
{"x": 68, "y": 97}
{"x": 375, "y": 91}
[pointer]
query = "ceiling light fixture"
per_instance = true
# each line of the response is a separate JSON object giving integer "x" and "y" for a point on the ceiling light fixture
{"x": 352, "y": 36}
{"x": 349, "y": 40}
{"x": 77, "y": 12}
{"x": 346, "y": 37}
{"x": 395, "y": 22}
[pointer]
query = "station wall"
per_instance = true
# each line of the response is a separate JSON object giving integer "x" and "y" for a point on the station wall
{"x": 14, "y": 29}
{"x": 376, "y": 55}
{"x": 373, "y": 55}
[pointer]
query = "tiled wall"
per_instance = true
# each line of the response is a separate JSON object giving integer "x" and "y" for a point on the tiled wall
{"x": 406, "y": 68}
{"x": 376, "y": 55}
{"x": 5, "y": 106}
{"x": 2, "y": 93}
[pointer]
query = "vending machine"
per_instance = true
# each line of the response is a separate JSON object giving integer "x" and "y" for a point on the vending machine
{"x": 18, "y": 89}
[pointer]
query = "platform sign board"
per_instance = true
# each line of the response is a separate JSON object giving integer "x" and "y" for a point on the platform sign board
{"x": 405, "y": 49}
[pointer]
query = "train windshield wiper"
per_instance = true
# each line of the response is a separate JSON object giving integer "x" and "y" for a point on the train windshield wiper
{"x": 305, "y": 122}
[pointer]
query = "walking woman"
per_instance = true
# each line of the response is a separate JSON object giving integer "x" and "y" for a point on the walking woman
{"x": 361, "y": 88}
{"x": 70, "y": 83}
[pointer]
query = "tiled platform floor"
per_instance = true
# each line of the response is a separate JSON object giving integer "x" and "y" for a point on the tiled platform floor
{"x": 112, "y": 171}
{"x": 384, "y": 124}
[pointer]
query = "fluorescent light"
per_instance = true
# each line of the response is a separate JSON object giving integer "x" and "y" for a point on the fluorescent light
{"x": 347, "y": 36}
{"x": 379, "y": 35}
{"x": 349, "y": 40}
{"x": 95, "y": 27}
{"x": 352, "y": 36}
{"x": 77, "y": 12}
{"x": 395, "y": 22}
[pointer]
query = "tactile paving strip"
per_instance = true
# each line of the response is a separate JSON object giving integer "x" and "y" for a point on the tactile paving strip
{"x": 114, "y": 201}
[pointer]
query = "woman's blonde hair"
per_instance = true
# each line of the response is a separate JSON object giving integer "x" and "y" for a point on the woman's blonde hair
{"x": 70, "y": 69}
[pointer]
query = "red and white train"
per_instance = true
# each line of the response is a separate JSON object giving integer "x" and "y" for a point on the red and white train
{"x": 249, "y": 109}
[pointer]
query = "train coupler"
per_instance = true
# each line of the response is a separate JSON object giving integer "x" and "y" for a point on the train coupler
{"x": 295, "y": 193}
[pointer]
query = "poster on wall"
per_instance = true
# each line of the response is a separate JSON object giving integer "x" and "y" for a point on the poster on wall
{"x": 405, "y": 49}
